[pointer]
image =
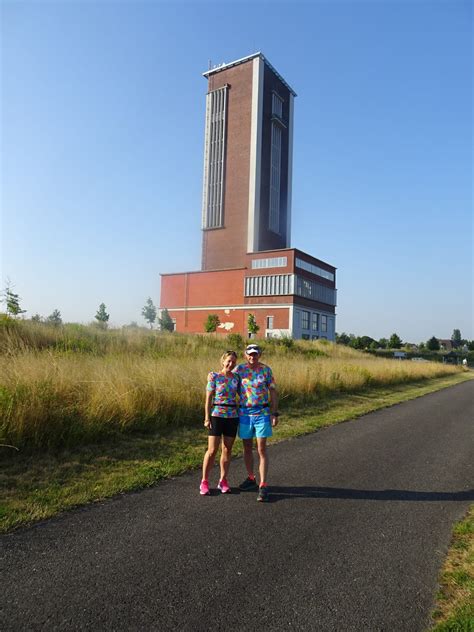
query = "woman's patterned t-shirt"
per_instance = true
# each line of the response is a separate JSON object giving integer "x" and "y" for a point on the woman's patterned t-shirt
{"x": 225, "y": 391}
{"x": 255, "y": 388}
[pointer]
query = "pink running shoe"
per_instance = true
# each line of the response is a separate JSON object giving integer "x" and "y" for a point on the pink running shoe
{"x": 204, "y": 488}
{"x": 223, "y": 486}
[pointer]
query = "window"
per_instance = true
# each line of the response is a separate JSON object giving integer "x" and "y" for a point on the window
{"x": 324, "y": 323}
{"x": 314, "y": 337}
{"x": 173, "y": 320}
{"x": 275, "y": 177}
{"x": 315, "y": 322}
{"x": 304, "y": 320}
{"x": 305, "y": 336}
{"x": 311, "y": 289}
{"x": 271, "y": 285}
{"x": 269, "y": 322}
{"x": 277, "y": 105}
{"x": 214, "y": 153}
{"x": 304, "y": 265}
{"x": 274, "y": 262}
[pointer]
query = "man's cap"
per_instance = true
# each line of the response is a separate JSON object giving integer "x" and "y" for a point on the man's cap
{"x": 253, "y": 349}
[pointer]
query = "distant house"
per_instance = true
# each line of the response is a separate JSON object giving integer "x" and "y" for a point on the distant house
{"x": 445, "y": 345}
{"x": 399, "y": 355}
{"x": 450, "y": 358}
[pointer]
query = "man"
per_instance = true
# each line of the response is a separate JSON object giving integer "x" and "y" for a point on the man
{"x": 258, "y": 414}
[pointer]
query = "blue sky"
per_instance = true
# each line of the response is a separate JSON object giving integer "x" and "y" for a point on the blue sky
{"x": 102, "y": 136}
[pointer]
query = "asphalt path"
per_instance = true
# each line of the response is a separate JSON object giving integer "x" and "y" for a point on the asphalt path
{"x": 353, "y": 539}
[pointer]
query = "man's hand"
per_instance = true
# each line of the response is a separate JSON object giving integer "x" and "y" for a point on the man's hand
{"x": 274, "y": 420}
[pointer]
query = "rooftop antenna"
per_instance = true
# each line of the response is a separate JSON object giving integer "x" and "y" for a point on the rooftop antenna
{"x": 209, "y": 64}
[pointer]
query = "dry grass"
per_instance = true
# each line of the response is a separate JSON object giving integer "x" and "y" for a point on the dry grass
{"x": 59, "y": 386}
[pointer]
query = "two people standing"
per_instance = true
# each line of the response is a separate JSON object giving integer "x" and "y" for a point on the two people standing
{"x": 256, "y": 416}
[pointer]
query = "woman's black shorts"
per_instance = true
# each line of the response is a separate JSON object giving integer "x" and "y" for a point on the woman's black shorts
{"x": 226, "y": 426}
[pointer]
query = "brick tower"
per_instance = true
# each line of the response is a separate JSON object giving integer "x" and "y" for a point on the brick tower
{"x": 247, "y": 162}
{"x": 248, "y": 266}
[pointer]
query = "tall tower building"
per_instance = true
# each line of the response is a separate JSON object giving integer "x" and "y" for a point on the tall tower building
{"x": 248, "y": 266}
{"x": 248, "y": 151}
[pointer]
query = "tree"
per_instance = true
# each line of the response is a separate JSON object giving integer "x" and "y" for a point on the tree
{"x": 383, "y": 343}
{"x": 421, "y": 346}
{"x": 36, "y": 318}
{"x": 433, "y": 344}
{"x": 355, "y": 342}
{"x": 165, "y": 321}
{"x": 149, "y": 312}
{"x": 252, "y": 325}
{"x": 12, "y": 301}
{"x": 55, "y": 318}
{"x": 456, "y": 338}
{"x": 342, "y": 339}
{"x": 366, "y": 341}
{"x": 212, "y": 323}
{"x": 374, "y": 345}
{"x": 470, "y": 345}
{"x": 102, "y": 317}
{"x": 395, "y": 341}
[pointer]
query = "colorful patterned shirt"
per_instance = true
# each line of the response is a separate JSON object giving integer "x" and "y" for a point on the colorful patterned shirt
{"x": 225, "y": 391}
{"x": 255, "y": 388}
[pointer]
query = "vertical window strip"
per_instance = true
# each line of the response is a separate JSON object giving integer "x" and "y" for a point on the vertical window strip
{"x": 275, "y": 176}
{"x": 277, "y": 105}
{"x": 214, "y": 153}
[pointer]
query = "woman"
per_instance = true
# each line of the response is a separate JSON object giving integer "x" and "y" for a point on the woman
{"x": 221, "y": 419}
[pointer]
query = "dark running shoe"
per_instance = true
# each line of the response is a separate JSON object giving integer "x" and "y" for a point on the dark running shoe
{"x": 248, "y": 484}
{"x": 263, "y": 495}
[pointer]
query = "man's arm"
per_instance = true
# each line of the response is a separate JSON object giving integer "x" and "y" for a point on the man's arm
{"x": 274, "y": 405}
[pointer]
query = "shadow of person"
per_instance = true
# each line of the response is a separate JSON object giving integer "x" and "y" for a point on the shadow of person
{"x": 278, "y": 493}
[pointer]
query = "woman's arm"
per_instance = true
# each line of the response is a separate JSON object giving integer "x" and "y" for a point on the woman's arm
{"x": 207, "y": 408}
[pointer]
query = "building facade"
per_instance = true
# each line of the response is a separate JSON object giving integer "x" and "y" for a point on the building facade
{"x": 248, "y": 266}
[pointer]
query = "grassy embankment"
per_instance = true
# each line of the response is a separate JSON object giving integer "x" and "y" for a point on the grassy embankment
{"x": 97, "y": 412}
{"x": 455, "y": 599}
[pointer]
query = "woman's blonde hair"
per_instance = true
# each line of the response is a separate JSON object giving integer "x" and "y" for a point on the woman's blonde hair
{"x": 226, "y": 355}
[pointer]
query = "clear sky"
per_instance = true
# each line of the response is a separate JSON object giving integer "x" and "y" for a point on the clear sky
{"x": 102, "y": 129}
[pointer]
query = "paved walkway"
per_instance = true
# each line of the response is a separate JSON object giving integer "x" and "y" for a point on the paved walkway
{"x": 354, "y": 539}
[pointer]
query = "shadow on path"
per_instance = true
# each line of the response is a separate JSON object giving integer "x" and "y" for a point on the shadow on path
{"x": 288, "y": 493}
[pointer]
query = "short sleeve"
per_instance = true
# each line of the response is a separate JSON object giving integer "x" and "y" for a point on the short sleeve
{"x": 211, "y": 382}
{"x": 270, "y": 379}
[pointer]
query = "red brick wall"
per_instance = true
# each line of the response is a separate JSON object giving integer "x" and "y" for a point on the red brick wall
{"x": 193, "y": 321}
{"x": 195, "y": 289}
{"x": 226, "y": 247}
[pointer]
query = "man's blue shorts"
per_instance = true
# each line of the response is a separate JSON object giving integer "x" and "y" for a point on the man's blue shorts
{"x": 258, "y": 426}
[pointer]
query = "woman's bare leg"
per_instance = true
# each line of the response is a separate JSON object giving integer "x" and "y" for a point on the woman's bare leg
{"x": 226, "y": 453}
{"x": 210, "y": 456}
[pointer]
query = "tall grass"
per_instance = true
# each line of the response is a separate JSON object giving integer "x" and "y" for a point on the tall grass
{"x": 60, "y": 386}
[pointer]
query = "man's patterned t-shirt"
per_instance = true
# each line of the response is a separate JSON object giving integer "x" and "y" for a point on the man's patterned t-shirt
{"x": 225, "y": 391}
{"x": 255, "y": 388}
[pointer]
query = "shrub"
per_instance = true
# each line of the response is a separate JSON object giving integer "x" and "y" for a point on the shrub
{"x": 235, "y": 342}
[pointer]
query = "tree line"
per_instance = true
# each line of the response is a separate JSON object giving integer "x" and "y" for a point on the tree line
{"x": 395, "y": 342}
{"x": 165, "y": 323}
{"x": 12, "y": 302}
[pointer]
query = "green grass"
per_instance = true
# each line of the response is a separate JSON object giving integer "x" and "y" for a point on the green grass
{"x": 40, "y": 485}
{"x": 455, "y": 599}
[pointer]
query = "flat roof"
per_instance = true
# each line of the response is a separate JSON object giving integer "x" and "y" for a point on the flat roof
{"x": 201, "y": 271}
{"x": 221, "y": 67}
{"x": 277, "y": 250}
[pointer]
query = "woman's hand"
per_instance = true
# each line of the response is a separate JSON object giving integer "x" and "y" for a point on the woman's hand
{"x": 207, "y": 423}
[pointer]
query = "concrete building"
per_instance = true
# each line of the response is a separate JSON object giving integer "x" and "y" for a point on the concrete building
{"x": 247, "y": 263}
